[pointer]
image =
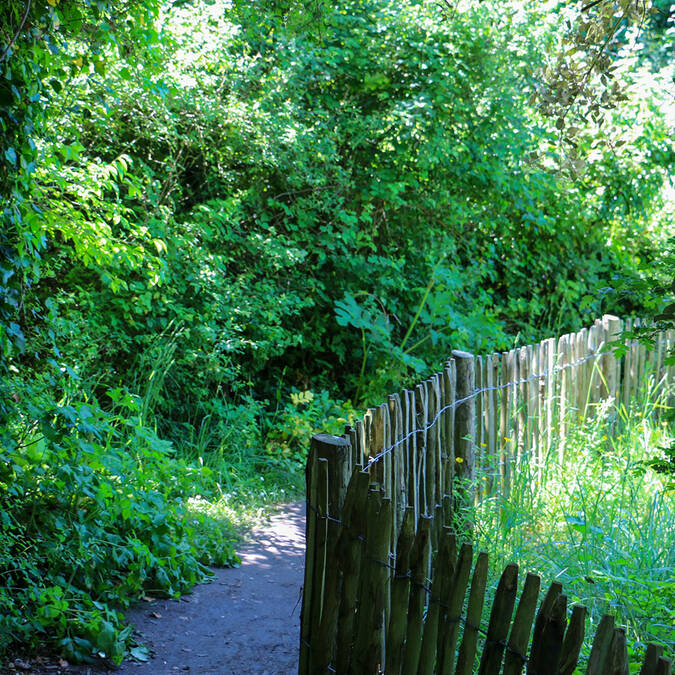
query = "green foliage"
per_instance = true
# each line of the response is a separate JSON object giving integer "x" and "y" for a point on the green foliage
{"x": 37, "y": 65}
{"x": 333, "y": 156}
{"x": 659, "y": 286}
{"x": 438, "y": 321}
{"x": 306, "y": 414}
{"x": 250, "y": 176}
{"x": 93, "y": 515}
{"x": 600, "y": 521}
{"x": 229, "y": 224}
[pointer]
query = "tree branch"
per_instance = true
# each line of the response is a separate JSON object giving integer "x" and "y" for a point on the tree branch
{"x": 18, "y": 32}
{"x": 590, "y": 5}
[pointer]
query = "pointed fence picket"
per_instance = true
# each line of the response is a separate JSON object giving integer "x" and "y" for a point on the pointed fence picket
{"x": 386, "y": 589}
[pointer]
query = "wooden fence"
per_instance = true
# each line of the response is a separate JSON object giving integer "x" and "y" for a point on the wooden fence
{"x": 384, "y": 586}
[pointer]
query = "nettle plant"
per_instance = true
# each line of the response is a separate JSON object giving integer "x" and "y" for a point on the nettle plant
{"x": 92, "y": 516}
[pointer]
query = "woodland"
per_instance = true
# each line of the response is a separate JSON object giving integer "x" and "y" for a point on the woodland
{"x": 228, "y": 225}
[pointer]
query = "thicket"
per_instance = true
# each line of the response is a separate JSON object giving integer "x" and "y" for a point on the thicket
{"x": 226, "y": 223}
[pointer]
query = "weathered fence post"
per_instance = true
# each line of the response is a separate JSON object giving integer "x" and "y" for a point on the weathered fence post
{"x": 492, "y": 421}
{"x": 449, "y": 395}
{"x": 655, "y": 663}
{"x": 327, "y": 474}
{"x": 500, "y": 620}
{"x": 443, "y": 562}
{"x": 369, "y": 644}
{"x": 563, "y": 393}
{"x": 398, "y": 462}
{"x": 522, "y": 624}
{"x": 452, "y": 597}
{"x": 420, "y": 424}
{"x": 610, "y": 367}
{"x": 467, "y": 650}
{"x": 628, "y": 369}
{"x": 419, "y": 558}
{"x": 400, "y": 594}
{"x": 502, "y": 476}
{"x": 511, "y": 454}
{"x": 523, "y": 401}
{"x": 350, "y": 554}
{"x": 465, "y": 420}
{"x": 601, "y": 644}
{"x": 480, "y": 413}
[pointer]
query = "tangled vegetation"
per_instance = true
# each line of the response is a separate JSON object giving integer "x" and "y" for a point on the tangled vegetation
{"x": 227, "y": 224}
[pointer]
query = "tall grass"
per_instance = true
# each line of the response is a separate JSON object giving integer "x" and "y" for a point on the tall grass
{"x": 222, "y": 441}
{"x": 257, "y": 455}
{"x": 600, "y": 521}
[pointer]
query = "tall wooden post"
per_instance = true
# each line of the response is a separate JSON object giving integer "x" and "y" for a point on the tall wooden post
{"x": 611, "y": 327}
{"x": 465, "y": 420}
{"x": 327, "y": 475}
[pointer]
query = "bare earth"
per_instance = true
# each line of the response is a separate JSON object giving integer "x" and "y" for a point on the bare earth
{"x": 245, "y": 622}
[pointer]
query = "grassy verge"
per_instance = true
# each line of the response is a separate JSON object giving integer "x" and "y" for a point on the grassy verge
{"x": 247, "y": 502}
{"x": 259, "y": 461}
{"x": 602, "y": 522}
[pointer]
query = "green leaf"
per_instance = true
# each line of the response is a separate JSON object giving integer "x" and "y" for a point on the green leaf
{"x": 140, "y": 653}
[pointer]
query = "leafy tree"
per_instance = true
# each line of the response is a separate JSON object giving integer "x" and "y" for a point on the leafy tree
{"x": 47, "y": 47}
{"x": 585, "y": 79}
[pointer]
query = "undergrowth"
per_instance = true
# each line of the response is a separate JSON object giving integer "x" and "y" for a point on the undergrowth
{"x": 92, "y": 516}
{"x": 602, "y": 521}
{"x": 97, "y": 510}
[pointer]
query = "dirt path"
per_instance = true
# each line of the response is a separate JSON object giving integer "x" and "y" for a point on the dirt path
{"x": 246, "y": 621}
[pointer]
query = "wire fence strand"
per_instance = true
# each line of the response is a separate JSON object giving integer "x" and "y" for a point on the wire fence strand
{"x": 450, "y": 406}
{"x": 432, "y": 599}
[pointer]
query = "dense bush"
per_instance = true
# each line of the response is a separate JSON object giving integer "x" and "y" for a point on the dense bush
{"x": 93, "y": 515}
{"x": 375, "y": 173}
